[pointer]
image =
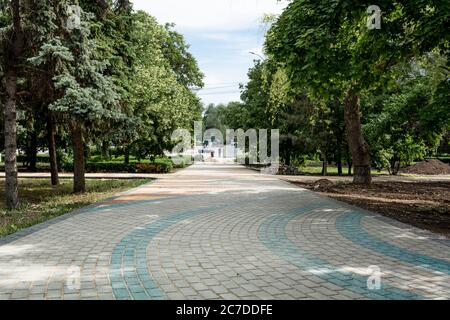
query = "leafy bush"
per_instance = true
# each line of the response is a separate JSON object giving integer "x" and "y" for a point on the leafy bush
{"x": 95, "y": 167}
{"x": 164, "y": 167}
{"x": 159, "y": 165}
{"x": 118, "y": 167}
{"x": 105, "y": 167}
{"x": 40, "y": 158}
{"x": 182, "y": 162}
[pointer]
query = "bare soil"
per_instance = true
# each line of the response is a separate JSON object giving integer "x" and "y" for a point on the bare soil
{"x": 425, "y": 205}
{"x": 428, "y": 167}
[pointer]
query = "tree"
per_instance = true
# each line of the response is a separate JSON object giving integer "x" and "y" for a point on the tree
{"x": 215, "y": 118}
{"x": 181, "y": 61}
{"x": 118, "y": 79}
{"x": 327, "y": 47}
{"x": 13, "y": 42}
{"x": 406, "y": 122}
{"x": 85, "y": 96}
{"x": 309, "y": 39}
{"x": 255, "y": 98}
{"x": 161, "y": 100}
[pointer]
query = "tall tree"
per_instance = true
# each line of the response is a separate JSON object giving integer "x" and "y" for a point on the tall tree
{"x": 406, "y": 122}
{"x": 85, "y": 97}
{"x": 308, "y": 39}
{"x": 160, "y": 95}
{"x": 13, "y": 41}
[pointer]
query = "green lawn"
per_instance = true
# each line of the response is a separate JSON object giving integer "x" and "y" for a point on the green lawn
{"x": 40, "y": 201}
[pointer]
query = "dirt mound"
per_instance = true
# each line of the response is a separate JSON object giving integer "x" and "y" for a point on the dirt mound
{"x": 322, "y": 185}
{"x": 428, "y": 167}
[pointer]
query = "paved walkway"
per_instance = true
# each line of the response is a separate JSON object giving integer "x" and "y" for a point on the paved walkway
{"x": 223, "y": 232}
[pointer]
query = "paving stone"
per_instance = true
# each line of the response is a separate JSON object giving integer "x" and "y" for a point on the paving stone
{"x": 208, "y": 294}
{"x": 20, "y": 294}
{"x": 203, "y": 238}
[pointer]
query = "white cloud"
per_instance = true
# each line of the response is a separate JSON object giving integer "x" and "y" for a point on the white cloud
{"x": 208, "y": 15}
{"x": 221, "y": 34}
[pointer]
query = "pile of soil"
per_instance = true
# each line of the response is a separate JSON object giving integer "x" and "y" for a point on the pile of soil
{"x": 428, "y": 167}
{"x": 425, "y": 205}
{"x": 322, "y": 185}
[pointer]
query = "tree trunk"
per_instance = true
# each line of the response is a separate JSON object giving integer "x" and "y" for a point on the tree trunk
{"x": 338, "y": 156}
{"x": 127, "y": 155}
{"x": 288, "y": 151}
{"x": 287, "y": 157}
{"x": 11, "y": 189}
{"x": 339, "y": 167}
{"x": 395, "y": 167}
{"x": 105, "y": 150}
{"x": 13, "y": 53}
{"x": 52, "y": 151}
{"x": 79, "y": 180}
{"x": 32, "y": 152}
{"x": 357, "y": 144}
{"x": 349, "y": 161}
{"x": 325, "y": 166}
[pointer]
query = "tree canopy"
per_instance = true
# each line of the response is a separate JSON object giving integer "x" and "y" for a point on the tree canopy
{"x": 110, "y": 77}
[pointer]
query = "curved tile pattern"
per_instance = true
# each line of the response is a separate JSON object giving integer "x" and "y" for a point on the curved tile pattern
{"x": 272, "y": 234}
{"x": 349, "y": 226}
{"x": 129, "y": 275}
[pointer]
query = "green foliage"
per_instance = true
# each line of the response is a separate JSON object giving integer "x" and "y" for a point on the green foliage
{"x": 40, "y": 158}
{"x": 96, "y": 164}
{"x": 408, "y": 121}
{"x": 122, "y": 76}
{"x": 324, "y": 51}
{"x": 116, "y": 167}
{"x": 85, "y": 93}
{"x": 181, "y": 61}
{"x": 255, "y": 97}
{"x": 163, "y": 167}
{"x": 161, "y": 99}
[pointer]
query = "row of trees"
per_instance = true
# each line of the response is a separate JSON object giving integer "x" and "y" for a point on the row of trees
{"x": 115, "y": 77}
{"x": 337, "y": 88}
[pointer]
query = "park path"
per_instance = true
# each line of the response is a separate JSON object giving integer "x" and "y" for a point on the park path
{"x": 223, "y": 232}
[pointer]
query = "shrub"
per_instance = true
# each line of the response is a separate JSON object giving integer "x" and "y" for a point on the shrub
{"x": 40, "y": 158}
{"x": 112, "y": 167}
{"x": 162, "y": 167}
{"x": 95, "y": 167}
{"x": 183, "y": 162}
{"x": 102, "y": 167}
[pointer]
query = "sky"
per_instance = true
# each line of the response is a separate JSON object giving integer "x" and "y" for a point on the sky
{"x": 221, "y": 34}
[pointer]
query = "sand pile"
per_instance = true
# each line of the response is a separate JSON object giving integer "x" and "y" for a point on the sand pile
{"x": 428, "y": 167}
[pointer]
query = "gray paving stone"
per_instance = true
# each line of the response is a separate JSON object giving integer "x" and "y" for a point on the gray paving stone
{"x": 20, "y": 294}
{"x": 208, "y": 295}
{"x": 217, "y": 239}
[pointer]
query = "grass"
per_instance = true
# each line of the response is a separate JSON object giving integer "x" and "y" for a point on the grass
{"x": 39, "y": 201}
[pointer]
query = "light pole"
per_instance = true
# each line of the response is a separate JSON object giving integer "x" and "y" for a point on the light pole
{"x": 258, "y": 55}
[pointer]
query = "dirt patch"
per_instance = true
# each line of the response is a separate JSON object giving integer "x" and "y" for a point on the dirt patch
{"x": 322, "y": 185}
{"x": 424, "y": 205}
{"x": 428, "y": 167}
